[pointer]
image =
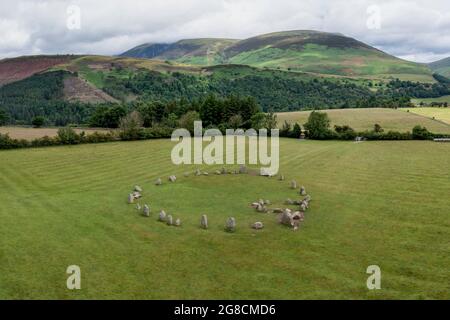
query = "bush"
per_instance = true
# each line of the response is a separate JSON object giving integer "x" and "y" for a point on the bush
{"x": 69, "y": 136}
{"x": 131, "y": 126}
{"x": 318, "y": 126}
{"x": 38, "y": 121}
{"x": 421, "y": 133}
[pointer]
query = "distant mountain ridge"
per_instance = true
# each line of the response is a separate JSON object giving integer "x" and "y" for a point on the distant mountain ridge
{"x": 298, "y": 50}
{"x": 442, "y": 67}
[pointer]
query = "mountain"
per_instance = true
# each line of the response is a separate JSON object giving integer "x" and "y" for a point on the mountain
{"x": 206, "y": 51}
{"x": 304, "y": 50}
{"x": 441, "y": 67}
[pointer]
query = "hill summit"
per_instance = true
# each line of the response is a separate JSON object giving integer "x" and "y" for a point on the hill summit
{"x": 298, "y": 50}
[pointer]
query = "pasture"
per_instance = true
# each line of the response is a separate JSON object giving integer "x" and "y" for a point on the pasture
{"x": 364, "y": 119}
{"x": 373, "y": 203}
{"x": 441, "y": 114}
{"x": 29, "y": 133}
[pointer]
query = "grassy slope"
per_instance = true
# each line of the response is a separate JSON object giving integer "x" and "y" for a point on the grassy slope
{"x": 364, "y": 119}
{"x": 442, "y": 114}
{"x": 368, "y": 208}
{"x": 430, "y": 100}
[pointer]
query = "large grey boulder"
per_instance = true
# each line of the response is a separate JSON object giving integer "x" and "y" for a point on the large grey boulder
{"x": 230, "y": 225}
{"x": 286, "y": 217}
{"x": 204, "y": 222}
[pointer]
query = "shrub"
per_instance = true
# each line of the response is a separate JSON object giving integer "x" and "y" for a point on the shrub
{"x": 131, "y": 126}
{"x": 68, "y": 136}
{"x": 421, "y": 133}
{"x": 38, "y": 121}
{"x": 318, "y": 126}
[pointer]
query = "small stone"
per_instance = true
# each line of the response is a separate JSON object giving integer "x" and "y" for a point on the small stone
{"x": 242, "y": 169}
{"x": 162, "y": 216}
{"x": 146, "y": 210}
{"x": 281, "y": 177}
{"x": 169, "y": 220}
{"x": 137, "y": 195}
{"x": 158, "y": 182}
{"x": 293, "y": 184}
{"x": 186, "y": 174}
{"x": 223, "y": 171}
{"x": 277, "y": 210}
{"x": 286, "y": 217}
{"x": 255, "y": 205}
{"x": 261, "y": 202}
{"x": 130, "y": 198}
{"x": 258, "y": 225}
{"x": 230, "y": 225}
{"x": 289, "y": 202}
{"x": 137, "y": 189}
{"x": 302, "y": 191}
{"x": 267, "y": 202}
{"x": 177, "y": 223}
{"x": 198, "y": 172}
{"x": 205, "y": 173}
{"x": 172, "y": 178}
{"x": 204, "y": 222}
{"x": 218, "y": 172}
{"x": 307, "y": 198}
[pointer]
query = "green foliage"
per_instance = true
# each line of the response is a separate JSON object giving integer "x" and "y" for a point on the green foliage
{"x": 187, "y": 120}
{"x": 38, "y": 121}
{"x": 318, "y": 126}
{"x": 68, "y": 136}
{"x": 421, "y": 133}
{"x": 3, "y": 117}
{"x": 130, "y": 126}
{"x": 107, "y": 116}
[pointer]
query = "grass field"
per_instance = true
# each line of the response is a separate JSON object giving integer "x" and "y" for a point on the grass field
{"x": 383, "y": 203}
{"x": 28, "y": 133}
{"x": 364, "y": 119}
{"x": 430, "y": 100}
{"x": 441, "y": 114}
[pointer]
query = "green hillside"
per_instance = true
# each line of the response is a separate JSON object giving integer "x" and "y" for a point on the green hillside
{"x": 442, "y": 67}
{"x": 308, "y": 51}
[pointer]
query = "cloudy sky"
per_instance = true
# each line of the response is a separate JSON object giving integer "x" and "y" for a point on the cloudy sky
{"x": 417, "y": 30}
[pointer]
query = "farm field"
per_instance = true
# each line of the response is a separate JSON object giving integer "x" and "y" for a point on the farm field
{"x": 364, "y": 119}
{"x": 442, "y": 114}
{"x": 29, "y": 133}
{"x": 430, "y": 100}
{"x": 374, "y": 203}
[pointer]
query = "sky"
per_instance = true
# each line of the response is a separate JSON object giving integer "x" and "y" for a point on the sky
{"x": 417, "y": 30}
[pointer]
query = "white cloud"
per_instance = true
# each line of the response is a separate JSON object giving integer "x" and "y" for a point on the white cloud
{"x": 414, "y": 29}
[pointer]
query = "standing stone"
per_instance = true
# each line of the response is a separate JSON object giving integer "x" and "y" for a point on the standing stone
{"x": 198, "y": 172}
{"x": 302, "y": 191}
{"x": 158, "y": 182}
{"x": 162, "y": 216}
{"x": 146, "y": 210}
{"x": 169, "y": 220}
{"x": 307, "y": 198}
{"x": 172, "y": 178}
{"x": 130, "y": 198}
{"x": 137, "y": 189}
{"x": 281, "y": 177}
{"x": 293, "y": 184}
{"x": 204, "y": 222}
{"x": 286, "y": 218}
{"x": 261, "y": 202}
{"x": 177, "y": 223}
{"x": 231, "y": 225}
{"x": 303, "y": 206}
{"x": 258, "y": 225}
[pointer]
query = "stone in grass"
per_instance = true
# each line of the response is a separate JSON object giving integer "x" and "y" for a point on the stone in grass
{"x": 172, "y": 178}
{"x": 223, "y": 171}
{"x": 289, "y": 201}
{"x": 286, "y": 217}
{"x": 177, "y": 223}
{"x": 186, "y": 174}
{"x": 218, "y": 172}
{"x": 258, "y": 225}
{"x": 277, "y": 210}
{"x": 130, "y": 198}
{"x": 293, "y": 184}
{"x": 281, "y": 177}
{"x": 158, "y": 182}
{"x": 230, "y": 225}
{"x": 204, "y": 222}
{"x": 255, "y": 205}
{"x": 138, "y": 207}
{"x": 169, "y": 220}
{"x": 198, "y": 172}
{"x": 162, "y": 216}
{"x": 205, "y": 173}
{"x": 307, "y": 198}
{"x": 146, "y": 210}
{"x": 137, "y": 189}
{"x": 267, "y": 202}
{"x": 302, "y": 191}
